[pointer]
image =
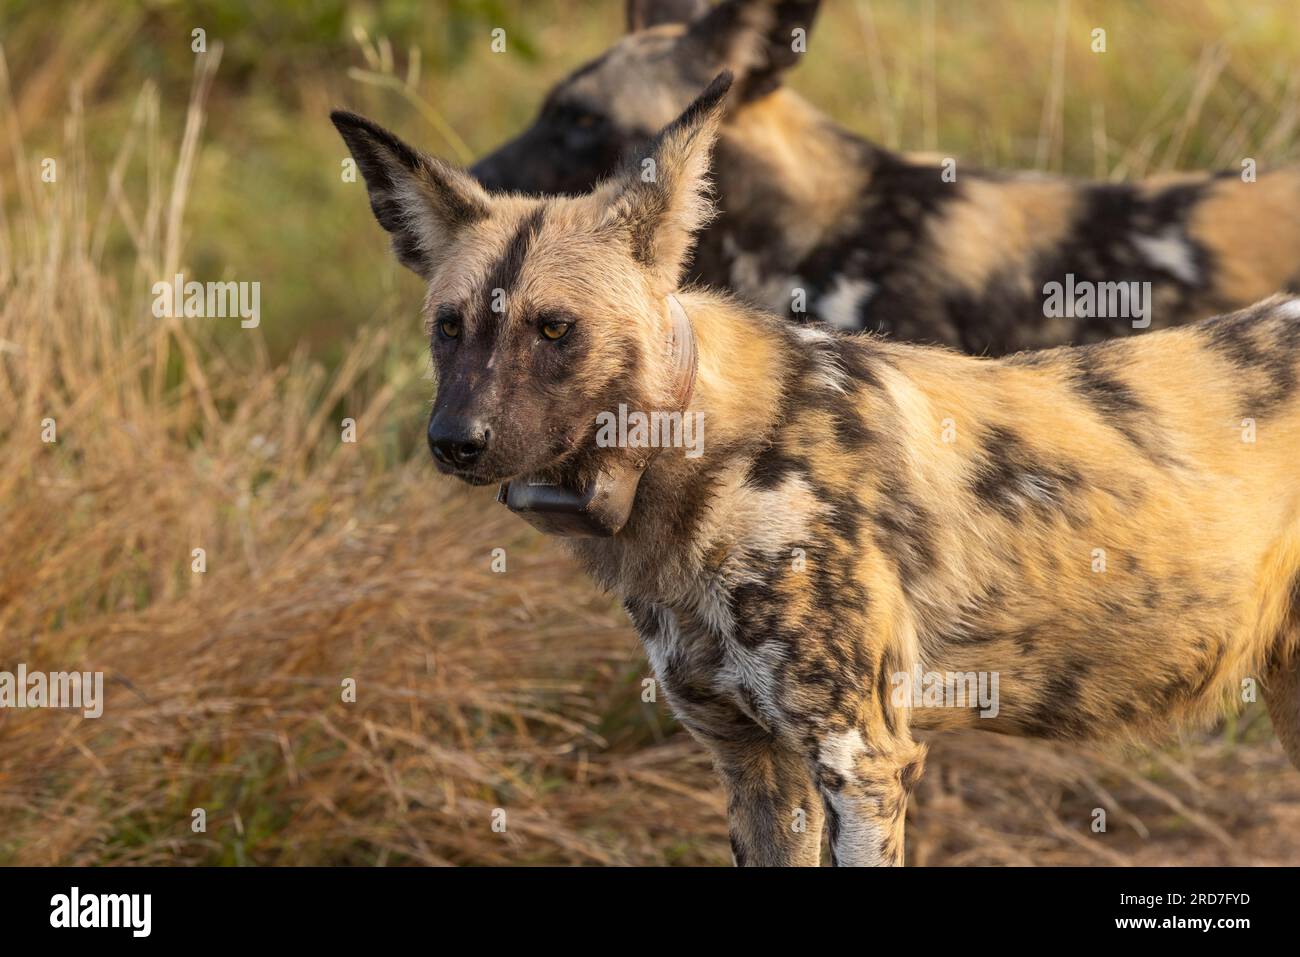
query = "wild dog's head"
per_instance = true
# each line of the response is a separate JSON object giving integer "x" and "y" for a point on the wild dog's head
{"x": 615, "y": 103}
{"x": 543, "y": 313}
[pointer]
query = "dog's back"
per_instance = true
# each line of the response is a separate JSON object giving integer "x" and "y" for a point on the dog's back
{"x": 1115, "y": 529}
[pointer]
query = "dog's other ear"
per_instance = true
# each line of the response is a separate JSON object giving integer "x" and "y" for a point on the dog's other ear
{"x": 663, "y": 198}
{"x": 644, "y": 14}
{"x": 757, "y": 40}
{"x": 420, "y": 199}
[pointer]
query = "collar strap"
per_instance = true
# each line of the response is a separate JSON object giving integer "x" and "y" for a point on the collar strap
{"x": 602, "y": 508}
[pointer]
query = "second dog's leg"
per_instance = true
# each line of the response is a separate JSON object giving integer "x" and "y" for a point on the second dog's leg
{"x": 774, "y": 813}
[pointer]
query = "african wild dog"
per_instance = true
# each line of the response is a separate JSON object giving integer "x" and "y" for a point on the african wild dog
{"x": 1088, "y": 523}
{"x": 876, "y": 240}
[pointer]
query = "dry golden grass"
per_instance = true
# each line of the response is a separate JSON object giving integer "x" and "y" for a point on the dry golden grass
{"x": 476, "y": 690}
{"x": 329, "y": 561}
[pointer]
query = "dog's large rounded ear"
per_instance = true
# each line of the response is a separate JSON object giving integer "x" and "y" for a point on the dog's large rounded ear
{"x": 757, "y": 40}
{"x": 420, "y": 199}
{"x": 662, "y": 198}
{"x": 644, "y": 14}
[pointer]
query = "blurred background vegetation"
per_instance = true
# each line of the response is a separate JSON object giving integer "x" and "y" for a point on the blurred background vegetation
{"x": 1182, "y": 85}
{"x": 478, "y": 690}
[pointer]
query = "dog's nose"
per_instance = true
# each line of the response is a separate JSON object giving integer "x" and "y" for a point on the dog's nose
{"x": 458, "y": 443}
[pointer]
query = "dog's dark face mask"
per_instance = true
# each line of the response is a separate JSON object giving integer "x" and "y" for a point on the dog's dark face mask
{"x": 570, "y": 147}
{"x": 610, "y": 108}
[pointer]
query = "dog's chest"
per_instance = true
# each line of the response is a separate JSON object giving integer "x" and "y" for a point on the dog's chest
{"x": 706, "y": 665}
{"x": 713, "y": 619}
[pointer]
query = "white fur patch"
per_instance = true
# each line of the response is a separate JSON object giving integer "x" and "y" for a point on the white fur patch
{"x": 413, "y": 204}
{"x": 840, "y": 751}
{"x": 1037, "y": 488}
{"x": 1169, "y": 251}
{"x": 757, "y": 283}
{"x": 842, "y": 306}
{"x": 830, "y": 373}
{"x": 767, "y": 522}
{"x": 755, "y": 671}
{"x": 813, "y": 334}
{"x": 666, "y": 644}
{"x": 773, "y": 518}
{"x": 858, "y": 841}
{"x": 711, "y": 605}
{"x": 1289, "y": 309}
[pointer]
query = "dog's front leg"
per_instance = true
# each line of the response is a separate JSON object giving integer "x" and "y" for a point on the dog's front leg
{"x": 865, "y": 786}
{"x": 774, "y": 812}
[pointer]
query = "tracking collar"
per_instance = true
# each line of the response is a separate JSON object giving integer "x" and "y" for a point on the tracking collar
{"x": 601, "y": 508}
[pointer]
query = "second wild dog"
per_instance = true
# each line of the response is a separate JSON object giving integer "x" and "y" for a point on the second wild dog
{"x": 816, "y": 222}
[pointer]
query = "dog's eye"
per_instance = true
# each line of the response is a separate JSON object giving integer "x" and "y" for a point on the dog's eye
{"x": 555, "y": 329}
{"x": 583, "y": 130}
{"x": 449, "y": 327}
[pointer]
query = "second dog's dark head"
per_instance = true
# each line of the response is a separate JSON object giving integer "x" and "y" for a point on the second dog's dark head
{"x": 542, "y": 312}
{"x": 614, "y": 104}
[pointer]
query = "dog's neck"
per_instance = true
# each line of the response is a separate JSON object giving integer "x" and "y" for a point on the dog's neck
{"x": 787, "y": 176}
{"x": 743, "y": 366}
